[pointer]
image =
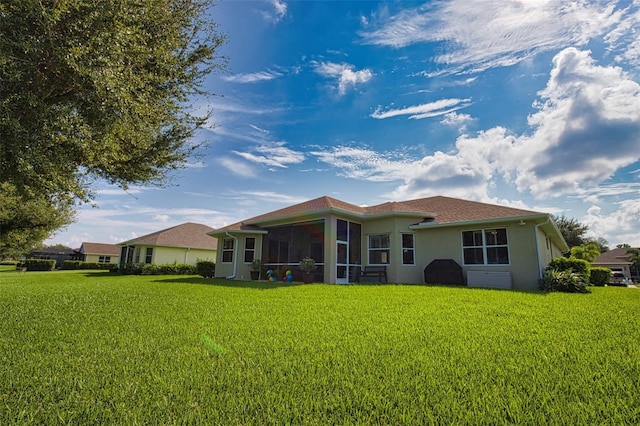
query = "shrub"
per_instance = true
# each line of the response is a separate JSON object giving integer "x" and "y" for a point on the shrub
{"x": 152, "y": 269}
{"x": 600, "y": 276}
{"x": 577, "y": 266}
{"x": 79, "y": 264}
{"x": 39, "y": 264}
{"x": 206, "y": 268}
{"x": 564, "y": 281}
{"x": 131, "y": 269}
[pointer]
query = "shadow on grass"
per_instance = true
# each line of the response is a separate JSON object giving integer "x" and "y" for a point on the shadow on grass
{"x": 222, "y": 282}
{"x": 268, "y": 285}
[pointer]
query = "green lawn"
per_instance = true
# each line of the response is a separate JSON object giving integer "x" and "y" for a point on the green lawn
{"x": 98, "y": 348}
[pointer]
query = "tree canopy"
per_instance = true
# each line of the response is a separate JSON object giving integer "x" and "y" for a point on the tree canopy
{"x": 100, "y": 90}
{"x": 26, "y": 221}
{"x": 574, "y": 232}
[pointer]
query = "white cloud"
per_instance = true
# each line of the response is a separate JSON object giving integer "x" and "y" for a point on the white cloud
{"x": 274, "y": 154}
{"x": 621, "y": 225}
{"x": 481, "y": 35}
{"x": 279, "y": 11}
{"x": 364, "y": 163}
{"x": 586, "y": 128}
{"x": 431, "y": 109}
{"x": 255, "y": 77}
{"x": 345, "y": 73}
{"x": 459, "y": 121}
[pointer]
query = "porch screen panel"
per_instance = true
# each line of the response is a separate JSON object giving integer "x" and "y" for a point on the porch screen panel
{"x": 290, "y": 243}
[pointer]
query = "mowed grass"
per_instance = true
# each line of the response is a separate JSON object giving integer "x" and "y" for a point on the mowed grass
{"x": 97, "y": 348}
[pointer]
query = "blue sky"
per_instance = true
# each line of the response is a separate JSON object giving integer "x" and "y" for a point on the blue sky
{"x": 532, "y": 104}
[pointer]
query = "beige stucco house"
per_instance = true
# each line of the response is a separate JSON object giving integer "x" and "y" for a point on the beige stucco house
{"x": 99, "y": 252}
{"x": 495, "y": 246}
{"x": 185, "y": 244}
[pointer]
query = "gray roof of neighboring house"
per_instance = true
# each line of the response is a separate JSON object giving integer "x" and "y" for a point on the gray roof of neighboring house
{"x": 190, "y": 235}
{"x": 617, "y": 256}
{"x": 100, "y": 249}
{"x": 440, "y": 209}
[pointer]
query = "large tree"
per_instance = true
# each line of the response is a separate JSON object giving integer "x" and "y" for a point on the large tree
{"x": 26, "y": 221}
{"x": 100, "y": 90}
{"x": 572, "y": 230}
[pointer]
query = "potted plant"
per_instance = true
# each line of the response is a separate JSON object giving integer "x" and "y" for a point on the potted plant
{"x": 255, "y": 267}
{"x": 307, "y": 264}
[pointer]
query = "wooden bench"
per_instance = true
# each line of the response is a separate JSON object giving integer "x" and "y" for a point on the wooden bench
{"x": 374, "y": 274}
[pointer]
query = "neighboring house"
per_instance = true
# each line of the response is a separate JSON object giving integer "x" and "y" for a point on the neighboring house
{"x": 99, "y": 252}
{"x": 186, "y": 243}
{"x": 495, "y": 246}
{"x": 57, "y": 254}
{"x": 618, "y": 260}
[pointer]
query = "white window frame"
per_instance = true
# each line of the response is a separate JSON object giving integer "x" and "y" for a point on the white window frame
{"x": 104, "y": 259}
{"x": 250, "y": 253}
{"x": 386, "y": 251}
{"x": 412, "y": 249}
{"x": 485, "y": 246}
{"x": 228, "y": 248}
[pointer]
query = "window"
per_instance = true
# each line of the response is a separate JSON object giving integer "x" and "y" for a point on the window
{"x": 485, "y": 247}
{"x": 227, "y": 250}
{"x": 249, "y": 249}
{"x": 149, "y": 255}
{"x": 104, "y": 259}
{"x": 408, "y": 249}
{"x": 136, "y": 255}
{"x": 379, "y": 249}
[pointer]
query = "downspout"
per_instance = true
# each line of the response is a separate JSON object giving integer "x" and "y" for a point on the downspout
{"x": 186, "y": 254}
{"x": 235, "y": 257}
{"x": 540, "y": 267}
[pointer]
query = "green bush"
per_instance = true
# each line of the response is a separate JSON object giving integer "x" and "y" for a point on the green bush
{"x": 131, "y": 269}
{"x": 564, "y": 281}
{"x": 600, "y": 276}
{"x": 78, "y": 264}
{"x": 577, "y": 266}
{"x": 206, "y": 268}
{"x": 39, "y": 264}
{"x": 168, "y": 269}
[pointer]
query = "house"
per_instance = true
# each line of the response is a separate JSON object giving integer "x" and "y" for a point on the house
{"x": 58, "y": 254}
{"x": 186, "y": 243}
{"x": 618, "y": 260}
{"x": 493, "y": 245}
{"x": 99, "y": 252}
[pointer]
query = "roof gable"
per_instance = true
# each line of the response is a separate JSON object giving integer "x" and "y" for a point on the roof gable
{"x": 100, "y": 248}
{"x": 612, "y": 257}
{"x": 191, "y": 235}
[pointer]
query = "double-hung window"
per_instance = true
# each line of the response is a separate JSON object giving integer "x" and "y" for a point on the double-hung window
{"x": 379, "y": 245}
{"x": 408, "y": 250}
{"x": 227, "y": 250}
{"x": 149, "y": 255}
{"x": 249, "y": 249}
{"x": 485, "y": 247}
{"x": 104, "y": 259}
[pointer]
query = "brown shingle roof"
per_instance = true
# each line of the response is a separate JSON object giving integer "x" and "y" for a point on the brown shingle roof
{"x": 100, "y": 248}
{"x": 441, "y": 209}
{"x": 617, "y": 256}
{"x": 192, "y": 235}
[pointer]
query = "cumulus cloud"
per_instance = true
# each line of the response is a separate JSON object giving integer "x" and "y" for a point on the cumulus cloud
{"x": 518, "y": 29}
{"x": 587, "y": 126}
{"x": 621, "y": 225}
{"x": 459, "y": 121}
{"x": 431, "y": 109}
{"x": 346, "y": 74}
